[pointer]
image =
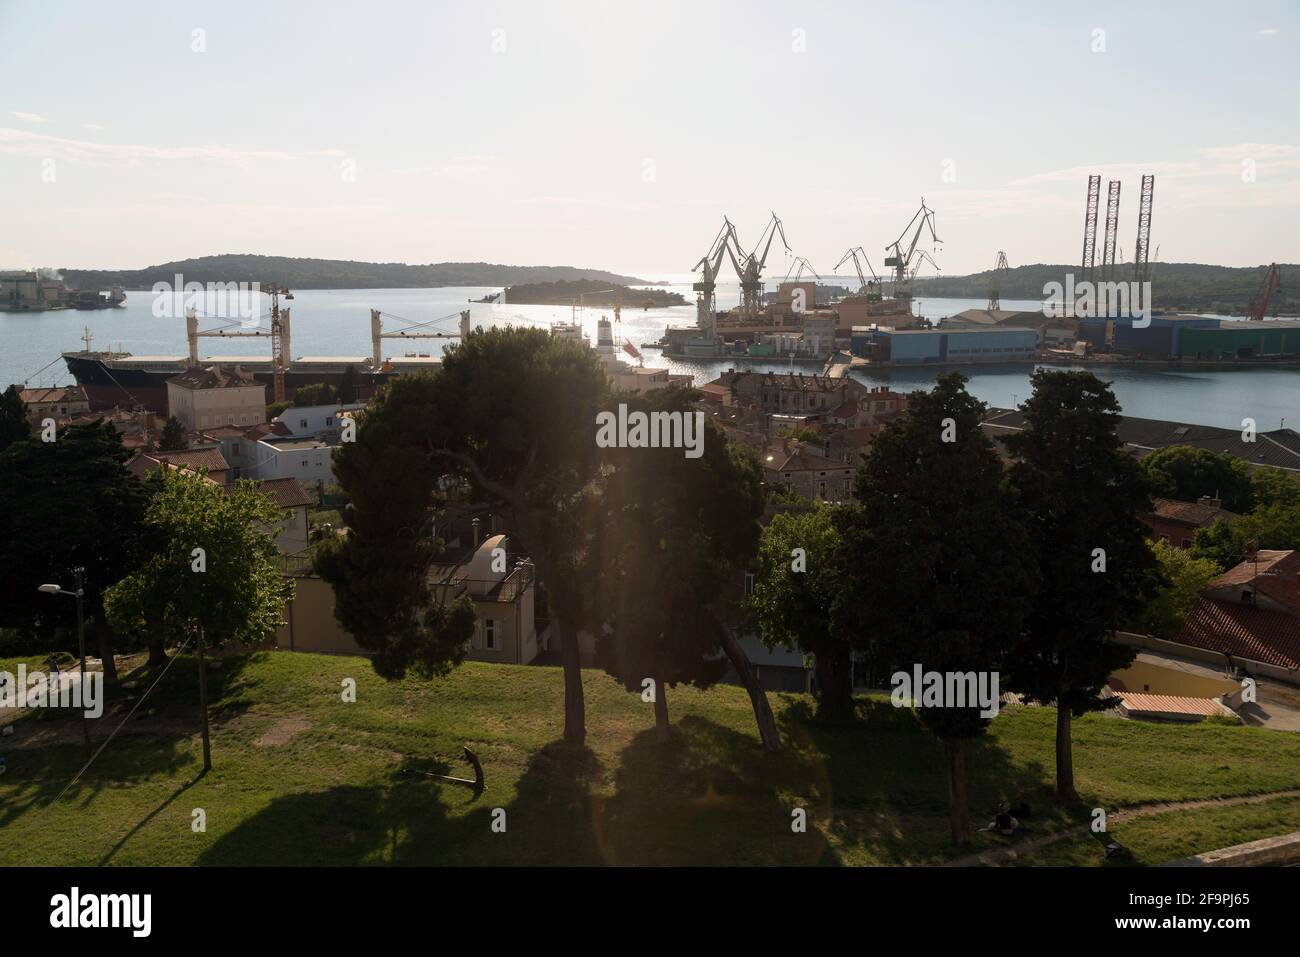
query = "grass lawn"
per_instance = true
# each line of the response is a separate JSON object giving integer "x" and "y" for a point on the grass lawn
{"x": 301, "y": 777}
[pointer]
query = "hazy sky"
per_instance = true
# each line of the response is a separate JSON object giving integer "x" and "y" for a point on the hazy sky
{"x": 616, "y": 135}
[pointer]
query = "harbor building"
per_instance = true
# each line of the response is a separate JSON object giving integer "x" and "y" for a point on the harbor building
{"x": 1242, "y": 339}
{"x": 1161, "y": 339}
{"x": 944, "y": 346}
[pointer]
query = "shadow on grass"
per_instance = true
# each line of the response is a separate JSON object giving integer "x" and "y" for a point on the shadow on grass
{"x": 885, "y": 780}
{"x": 708, "y": 797}
{"x": 45, "y": 752}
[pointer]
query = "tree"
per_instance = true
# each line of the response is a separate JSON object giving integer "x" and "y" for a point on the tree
{"x": 315, "y": 393}
{"x": 510, "y": 415}
{"x": 173, "y": 436}
{"x": 1186, "y": 576}
{"x": 13, "y": 418}
{"x": 1275, "y": 487}
{"x": 214, "y": 573}
{"x": 1270, "y": 526}
{"x": 798, "y": 591}
{"x": 674, "y": 534}
{"x": 948, "y": 564}
{"x": 66, "y": 503}
{"x": 1186, "y": 473}
{"x": 1082, "y": 496}
{"x": 380, "y": 570}
{"x": 348, "y": 383}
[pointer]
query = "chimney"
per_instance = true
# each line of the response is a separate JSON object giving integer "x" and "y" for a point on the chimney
{"x": 475, "y": 525}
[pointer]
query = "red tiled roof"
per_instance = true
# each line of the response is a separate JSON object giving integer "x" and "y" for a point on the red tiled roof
{"x": 1244, "y": 631}
{"x": 287, "y": 492}
{"x": 69, "y": 393}
{"x": 847, "y": 409}
{"x": 210, "y": 459}
{"x": 1190, "y": 513}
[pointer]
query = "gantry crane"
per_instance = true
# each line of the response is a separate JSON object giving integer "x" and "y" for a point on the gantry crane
{"x": 1089, "y": 260}
{"x": 1112, "y": 230}
{"x": 750, "y": 268}
{"x": 869, "y": 289}
{"x": 1259, "y": 302}
{"x": 901, "y": 262}
{"x": 278, "y": 334}
{"x": 416, "y": 330}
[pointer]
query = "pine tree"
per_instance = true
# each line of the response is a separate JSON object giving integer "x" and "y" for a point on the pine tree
{"x": 173, "y": 436}
{"x": 948, "y": 562}
{"x": 1081, "y": 495}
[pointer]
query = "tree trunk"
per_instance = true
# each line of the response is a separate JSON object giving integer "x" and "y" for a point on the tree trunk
{"x": 749, "y": 678}
{"x": 958, "y": 814}
{"x": 157, "y": 653}
{"x": 662, "y": 728}
{"x": 1064, "y": 754}
{"x": 835, "y": 683}
{"x": 104, "y": 634}
{"x": 203, "y": 705}
{"x": 575, "y": 712}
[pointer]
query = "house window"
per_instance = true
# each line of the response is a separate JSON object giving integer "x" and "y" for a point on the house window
{"x": 329, "y": 420}
{"x": 1187, "y": 543}
{"x": 302, "y": 423}
{"x": 304, "y": 463}
{"x": 749, "y": 584}
{"x": 234, "y": 448}
{"x": 491, "y": 640}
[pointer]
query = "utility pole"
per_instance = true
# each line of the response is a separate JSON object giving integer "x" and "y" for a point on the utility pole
{"x": 203, "y": 703}
{"x": 79, "y": 579}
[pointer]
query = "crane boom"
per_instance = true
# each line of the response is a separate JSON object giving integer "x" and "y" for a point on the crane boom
{"x": 901, "y": 262}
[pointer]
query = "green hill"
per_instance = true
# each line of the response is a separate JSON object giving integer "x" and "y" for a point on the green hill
{"x": 297, "y": 273}
{"x": 591, "y": 293}
{"x": 1175, "y": 287}
{"x": 302, "y": 777}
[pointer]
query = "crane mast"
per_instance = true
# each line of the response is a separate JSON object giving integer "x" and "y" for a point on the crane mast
{"x": 750, "y": 269}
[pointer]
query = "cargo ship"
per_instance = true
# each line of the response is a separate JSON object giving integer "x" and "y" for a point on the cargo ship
{"x": 123, "y": 379}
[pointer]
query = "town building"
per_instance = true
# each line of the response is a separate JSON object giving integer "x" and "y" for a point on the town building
{"x": 55, "y": 403}
{"x": 789, "y": 393}
{"x": 204, "y": 398}
{"x": 1176, "y": 522}
{"x": 804, "y": 470}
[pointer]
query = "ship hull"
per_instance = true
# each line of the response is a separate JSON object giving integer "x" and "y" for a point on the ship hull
{"x": 107, "y": 387}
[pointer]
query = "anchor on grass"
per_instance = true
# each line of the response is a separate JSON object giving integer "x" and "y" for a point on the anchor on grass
{"x": 477, "y": 784}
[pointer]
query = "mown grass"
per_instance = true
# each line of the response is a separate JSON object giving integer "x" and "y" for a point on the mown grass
{"x": 1175, "y": 834}
{"x": 302, "y": 777}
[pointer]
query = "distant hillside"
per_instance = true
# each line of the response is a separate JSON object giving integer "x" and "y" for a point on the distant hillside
{"x": 1182, "y": 287}
{"x": 299, "y": 273}
{"x": 592, "y": 293}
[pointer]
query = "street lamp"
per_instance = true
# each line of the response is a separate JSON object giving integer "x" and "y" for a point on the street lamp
{"x": 78, "y": 575}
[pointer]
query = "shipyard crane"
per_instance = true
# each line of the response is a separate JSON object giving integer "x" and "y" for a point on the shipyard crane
{"x": 995, "y": 286}
{"x": 922, "y": 257}
{"x": 750, "y": 268}
{"x": 797, "y": 267}
{"x": 1259, "y": 302}
{"x": 1112, "y": 231}
{"x": 901, "y": 261}
{"x": 1089, "y": 260}
{"x": 415, "y": 330}
{"x": 278, "y": 334}
{"x": 869, "y": 289}
{"x": 706, "y": 304}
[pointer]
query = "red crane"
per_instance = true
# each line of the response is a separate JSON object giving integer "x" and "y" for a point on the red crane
{"x": 1259, "y": 304}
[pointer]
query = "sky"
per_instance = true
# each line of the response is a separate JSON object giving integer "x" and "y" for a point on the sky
{"x": 617, "y": 135}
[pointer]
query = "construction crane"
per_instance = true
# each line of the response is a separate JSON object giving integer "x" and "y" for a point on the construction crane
{"x": 995, "y": 286}
{"x": 706, "y": 302}
{"x": 869, "y": 289}
{"x": 1259, "y": 302}
{"x": 278, "y": 334}
{"x": 750, "y": 267}
{"x": 1112, "y": 230}
{"x": 415, "y": 330}
{"x": 901, "y": 262}
{"x": 1142, "y": 248}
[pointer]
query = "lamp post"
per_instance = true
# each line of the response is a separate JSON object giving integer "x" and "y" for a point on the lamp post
{"x": 78, "y": 577}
